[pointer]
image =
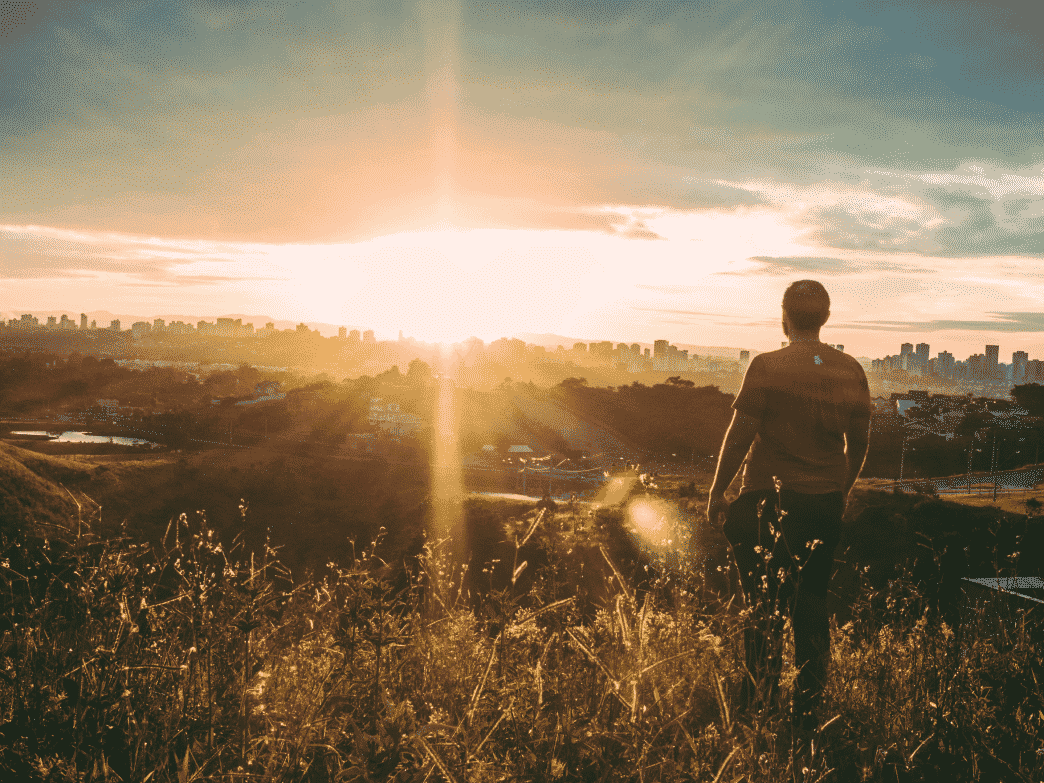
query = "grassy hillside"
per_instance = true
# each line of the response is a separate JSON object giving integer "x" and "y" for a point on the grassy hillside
{"x": 39, "y": 490}
{"x": 312, "y": 508}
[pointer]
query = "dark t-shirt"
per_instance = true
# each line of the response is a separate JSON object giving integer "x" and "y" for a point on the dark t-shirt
{"x": 805, "y": 396}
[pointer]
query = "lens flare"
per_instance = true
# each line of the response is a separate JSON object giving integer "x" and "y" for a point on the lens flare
{"x": 447, "y": 488}
{"x": 656, "y": 525}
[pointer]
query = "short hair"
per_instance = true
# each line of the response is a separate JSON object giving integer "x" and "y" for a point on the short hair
{"x": 807, "y": 303}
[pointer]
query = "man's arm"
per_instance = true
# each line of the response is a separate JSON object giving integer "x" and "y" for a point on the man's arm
{"x": 741, "y": 434}
{"x": 857, "y": 440}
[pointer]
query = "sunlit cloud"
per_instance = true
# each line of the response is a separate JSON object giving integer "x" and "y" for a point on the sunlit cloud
{"x": 454, "y": 168}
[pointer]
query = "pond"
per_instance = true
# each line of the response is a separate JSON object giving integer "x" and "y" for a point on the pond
{"x": 86, "y": 437}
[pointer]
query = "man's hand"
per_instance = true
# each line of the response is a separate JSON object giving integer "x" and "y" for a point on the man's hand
{"x": 717, "y": 506}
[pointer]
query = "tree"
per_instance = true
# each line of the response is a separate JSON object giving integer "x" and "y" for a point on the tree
{"x": 418, "y": 373}
{"x": 571, "y": 384}
{"x": 391, "y": 375}
{"x": 1029, "y": 396}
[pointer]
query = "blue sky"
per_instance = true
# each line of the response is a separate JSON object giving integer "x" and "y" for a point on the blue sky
{"x": 616, "y": 170}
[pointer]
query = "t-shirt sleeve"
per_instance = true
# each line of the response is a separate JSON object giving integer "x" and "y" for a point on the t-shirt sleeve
{"x": 751, "y": 398}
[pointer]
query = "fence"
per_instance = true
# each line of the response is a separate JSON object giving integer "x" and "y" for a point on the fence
{"x": 977, "y": 488}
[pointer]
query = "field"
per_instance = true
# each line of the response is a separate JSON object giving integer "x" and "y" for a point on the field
{"x": 562, "y": 645}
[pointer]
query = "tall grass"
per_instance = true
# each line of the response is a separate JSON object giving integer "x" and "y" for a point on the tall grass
{"x": 197, "y": 660}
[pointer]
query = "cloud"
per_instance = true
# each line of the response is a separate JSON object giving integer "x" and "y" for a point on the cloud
{"x": 276, "y": 122}
{"x": 977, "y": 208}
{"x": 792, "y": 265}
{"x": 42, "y": 253}
{"x": 1007, "y": 322}
{"x": 696, "y": 314}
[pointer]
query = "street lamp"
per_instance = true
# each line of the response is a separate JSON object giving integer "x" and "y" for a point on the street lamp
{"x": 902, "y": 454}
{"x": 971, "y": 451}
{"x": 551, "y": 473}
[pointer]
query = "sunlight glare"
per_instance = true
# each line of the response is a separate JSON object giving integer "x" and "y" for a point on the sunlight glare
{"x": 447, "y": 487}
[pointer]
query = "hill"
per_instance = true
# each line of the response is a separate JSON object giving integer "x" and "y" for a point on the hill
{"x": 314, "y": 508}
{"x": 39, "y": 490}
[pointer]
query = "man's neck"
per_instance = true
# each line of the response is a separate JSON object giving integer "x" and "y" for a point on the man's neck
{"x": 805, "y": 338}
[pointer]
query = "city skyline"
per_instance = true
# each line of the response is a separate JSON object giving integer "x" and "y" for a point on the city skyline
{"x": 921, "y": 352}
{"x": 451, "y": 168}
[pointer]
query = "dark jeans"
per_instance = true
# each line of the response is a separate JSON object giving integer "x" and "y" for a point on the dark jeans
{"x": 793, "y": 581}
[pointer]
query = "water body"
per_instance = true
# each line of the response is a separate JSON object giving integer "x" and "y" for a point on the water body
{"x": 86, "y": 437}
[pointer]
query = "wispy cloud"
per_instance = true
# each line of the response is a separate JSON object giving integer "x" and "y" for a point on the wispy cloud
{"x": 44, "y": 252}
{"x": 821, "y": 265}
{"x": 1005, "y": 322}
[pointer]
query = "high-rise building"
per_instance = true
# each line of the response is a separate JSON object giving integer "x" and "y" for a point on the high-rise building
{"x": 580, "y": 347}
{"x": 115, "y": 324}
{"x": 922, "y": 353}
{"x": 342, "y": 332}
{"x": 660, "y": 348}
{"x": 83, "y": 321}
{"x": 52, "y": 322}
{"x": 636, "y": 350}
{"x": 1035, "y": 371}
{"x": 992, "y": 352}
{"x": 744, "y": 357}
{"x": 1018, "y": 366}
{"x": 976, "y": 367}
{"x": 646, "y": 352}
{"x": 159, "y": 325}
{"x": 368, "y": 336}
{"x": 94, "y": 324}
{"x": 905, "y": 349}
{"x": 354, "y": 335}
{"x": 945, "y": 365}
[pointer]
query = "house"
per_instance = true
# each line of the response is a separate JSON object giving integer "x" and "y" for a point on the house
{"x": 365, "y": 442}
{"x": 903, "y": 405}
{"x": 883, "y": 405}
{"x": 392, "y": 420}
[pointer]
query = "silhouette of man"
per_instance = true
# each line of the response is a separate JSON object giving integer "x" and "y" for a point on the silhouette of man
{"x": 803, "y": 413}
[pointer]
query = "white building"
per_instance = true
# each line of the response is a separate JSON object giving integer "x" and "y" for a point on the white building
{"x": 392, "y": 420}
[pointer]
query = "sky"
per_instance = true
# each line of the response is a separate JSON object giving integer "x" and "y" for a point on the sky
{"x": 611, "y": 170}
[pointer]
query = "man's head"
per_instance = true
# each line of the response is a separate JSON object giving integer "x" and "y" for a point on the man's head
{"x": 806, "y": 304}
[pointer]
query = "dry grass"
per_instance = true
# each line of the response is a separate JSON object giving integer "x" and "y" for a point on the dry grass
{"x": 196, "y": 660}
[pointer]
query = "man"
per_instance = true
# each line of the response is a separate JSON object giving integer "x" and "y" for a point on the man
{"x": 803, "y": 412}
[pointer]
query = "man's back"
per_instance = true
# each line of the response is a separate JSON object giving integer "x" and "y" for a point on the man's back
{"x": 805, "y": 396}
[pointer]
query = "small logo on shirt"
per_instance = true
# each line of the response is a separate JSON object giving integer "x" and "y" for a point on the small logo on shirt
{"x": 818, "y": 360}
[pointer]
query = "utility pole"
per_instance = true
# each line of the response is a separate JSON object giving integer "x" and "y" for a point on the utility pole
{"x": 902, "y": 457}
{"x": 971, "y": 451}
{"x": 995, "y": 466}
